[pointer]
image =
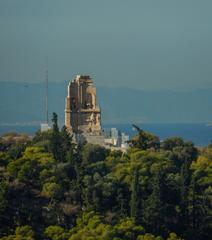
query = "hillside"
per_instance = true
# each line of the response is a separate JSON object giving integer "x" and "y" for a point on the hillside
{"x": 53, "y": 189}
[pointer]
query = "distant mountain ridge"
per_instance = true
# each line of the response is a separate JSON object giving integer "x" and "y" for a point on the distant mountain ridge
{"x": 21, "y": 103}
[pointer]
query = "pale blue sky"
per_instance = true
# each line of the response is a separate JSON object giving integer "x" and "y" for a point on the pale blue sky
{"x": 146, "y": 44}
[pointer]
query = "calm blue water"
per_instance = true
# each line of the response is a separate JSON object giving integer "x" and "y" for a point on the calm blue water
{"x": 20, "y": 129}
{"x": 199, "y": 133}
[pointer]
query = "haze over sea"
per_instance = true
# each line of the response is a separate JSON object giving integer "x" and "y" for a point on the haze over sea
{"x": 199, "y": 133}
{"x": 150, "y": 61}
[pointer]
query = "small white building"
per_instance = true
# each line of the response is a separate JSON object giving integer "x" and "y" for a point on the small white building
{"x": 117, "y": 139}
{"x": 44, "y": 127}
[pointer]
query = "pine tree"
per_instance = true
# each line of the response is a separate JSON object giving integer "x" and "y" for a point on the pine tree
{"x": 67, "y": 145}
{"x": 134, "y": 202}
{"x": 184, "y": 191}
{"x": 66, "y": 139}
{"x": 56, "y": 143}
{"x": 200, "y": 214}
{"x": 154, "y": 209}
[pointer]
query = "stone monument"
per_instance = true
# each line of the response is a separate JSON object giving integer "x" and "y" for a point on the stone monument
{"x": 82, "y": 114}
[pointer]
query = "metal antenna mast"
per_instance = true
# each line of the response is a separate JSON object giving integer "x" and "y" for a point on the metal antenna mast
{"x": 47, "y": 88}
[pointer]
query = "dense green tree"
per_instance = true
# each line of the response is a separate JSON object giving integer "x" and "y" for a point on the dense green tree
{"x": 144, "y": 140}
{"x": 154, "y": 206}
{"x": 29, "y": 172}
{"x": 3, "y": 191}
{"x": 25, "y": 232}
{"x": 148, "y": 236}
{"x": 184, "y": 190}
{"x": 85, "y": 191}
{"x": 93, "y": 153}
{"x": 134, "y": 202}
{"x": 93, "y": 226}
{"x": 56, "y": 233}
{"x": 21, "y": 233}
{"x": 171, "y": 143}
{"x": 56, "y": 141}
{"x": 43, "y": 139}
{"x": 179, "y": 151}
{"x": 67, "y": 144}
{"x": 51, "y": 190}
{"x": 122, "y": 200}
{"x": 28, "y": 167}
{"x": 16, "y": 150}
{"x": 173, "y": 236}
{"x": 3, "y": 204}
{"x": 127, "y": 229}
{"x": 4, "y": 159}
{"x": 201, "y": 196}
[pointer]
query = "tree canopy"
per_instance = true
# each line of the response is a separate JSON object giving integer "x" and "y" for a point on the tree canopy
{"x": 51, "y": 188}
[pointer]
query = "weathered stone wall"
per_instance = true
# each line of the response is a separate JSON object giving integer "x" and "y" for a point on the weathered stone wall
{"x": 82, "y": 114}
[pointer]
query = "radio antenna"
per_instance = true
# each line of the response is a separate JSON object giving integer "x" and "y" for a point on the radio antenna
{"x": 47, "y": 92}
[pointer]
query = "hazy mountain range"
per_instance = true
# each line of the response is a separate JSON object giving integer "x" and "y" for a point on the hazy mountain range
{"x": 23, "y": 103}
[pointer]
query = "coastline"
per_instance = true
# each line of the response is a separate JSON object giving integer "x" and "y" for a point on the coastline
{"x": 199, "y": 133}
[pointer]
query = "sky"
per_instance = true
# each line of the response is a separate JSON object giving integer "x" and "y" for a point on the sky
{"x": 141, "y": 44}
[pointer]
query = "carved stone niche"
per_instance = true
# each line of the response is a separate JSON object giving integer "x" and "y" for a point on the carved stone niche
{"x": 81, "y": 112}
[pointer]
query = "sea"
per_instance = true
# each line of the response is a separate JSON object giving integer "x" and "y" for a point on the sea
{"x": 199, "y": 133}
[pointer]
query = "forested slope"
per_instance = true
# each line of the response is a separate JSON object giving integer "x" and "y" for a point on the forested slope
{"x": 52, "y": 189}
